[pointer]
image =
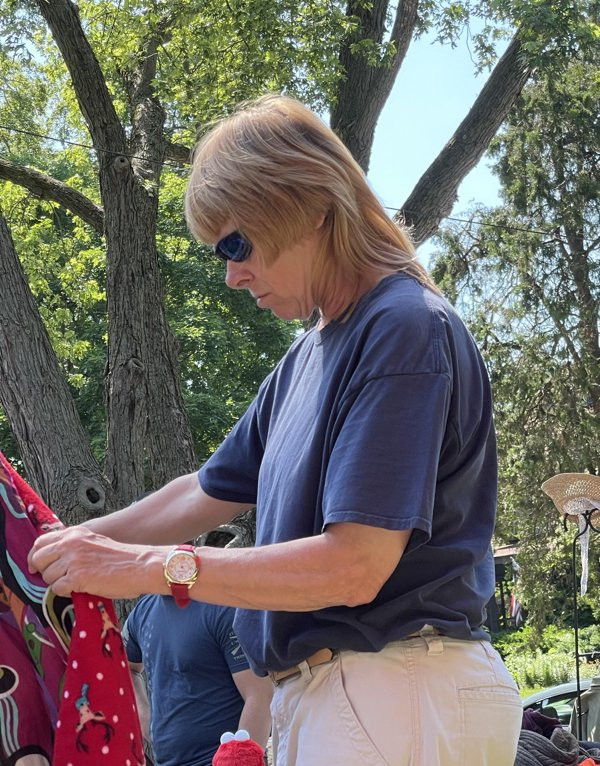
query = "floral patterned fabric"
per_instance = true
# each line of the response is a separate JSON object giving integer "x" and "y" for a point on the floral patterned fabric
{"x": 65, "y": 688}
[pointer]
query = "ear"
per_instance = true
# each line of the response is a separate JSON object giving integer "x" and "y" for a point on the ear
{"x": 320, "y": 221}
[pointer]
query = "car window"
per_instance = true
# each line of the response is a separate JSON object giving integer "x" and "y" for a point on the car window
{"x": 557, "y": 707}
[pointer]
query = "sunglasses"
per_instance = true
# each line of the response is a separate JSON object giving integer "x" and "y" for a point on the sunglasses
{"x": 233, "y": 247}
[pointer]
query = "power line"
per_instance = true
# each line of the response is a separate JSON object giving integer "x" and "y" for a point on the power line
{"x": 478, "y": 223}
{"x": 12, "y": 129}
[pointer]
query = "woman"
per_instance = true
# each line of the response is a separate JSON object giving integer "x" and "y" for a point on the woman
{"x": 369, "y": 453}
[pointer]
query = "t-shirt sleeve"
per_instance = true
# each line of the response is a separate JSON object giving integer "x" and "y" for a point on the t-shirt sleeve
{"x": 128, "y": 634}
{"x": 227, "y": 639}
{"x": 231, "y": 473}
{"x": 383, "y": 466}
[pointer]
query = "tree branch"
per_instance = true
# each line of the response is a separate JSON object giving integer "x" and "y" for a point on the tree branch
{"x": 403, "y": 29}
{"x": 178, "y": 152}
{"x": 147, "y": 116}
{"x": 365, "y": 88}
{"x": 435, "y": 193}
{"x": 553, "y": 314}
{"x": 147, "y": 113}
{"x": 46, "y": 187}
{"x": 90, "y": 86}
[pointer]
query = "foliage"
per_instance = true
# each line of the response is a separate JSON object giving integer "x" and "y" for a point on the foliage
{"x": 537, "y": 660}
{"x": 227, "y": 345}
{"x": 209, "y": 55}
{"x": 538, "y": 671}
{"x": 551, "y": 640}
{"x": 527, "y": 277}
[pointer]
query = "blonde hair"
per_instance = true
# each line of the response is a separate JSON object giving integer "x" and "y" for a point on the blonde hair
{"x": 274, "y": 171}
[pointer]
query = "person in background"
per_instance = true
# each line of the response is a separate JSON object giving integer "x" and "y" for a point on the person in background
{"x": 198, "y": 678}
{"x": 371, "y": 457}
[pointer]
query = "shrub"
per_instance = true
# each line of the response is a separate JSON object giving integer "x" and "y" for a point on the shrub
{"x": 537, "y": 661}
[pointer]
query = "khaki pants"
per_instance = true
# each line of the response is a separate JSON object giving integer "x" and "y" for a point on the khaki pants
{"x": 424, "y": 701}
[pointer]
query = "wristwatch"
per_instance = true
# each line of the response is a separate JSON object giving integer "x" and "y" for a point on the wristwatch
{"x": 181, "y": 572}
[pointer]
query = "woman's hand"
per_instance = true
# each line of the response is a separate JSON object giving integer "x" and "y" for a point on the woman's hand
{"x": 79, "y": 560}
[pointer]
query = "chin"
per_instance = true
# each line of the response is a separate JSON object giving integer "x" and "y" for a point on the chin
{"x": 290, "y": 314}
{"x": 287, "y": 316}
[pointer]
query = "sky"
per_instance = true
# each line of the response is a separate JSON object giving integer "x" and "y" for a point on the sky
{"x": 433, "y": 92}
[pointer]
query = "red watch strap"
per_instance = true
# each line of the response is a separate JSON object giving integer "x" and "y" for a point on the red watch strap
{"x": 181, "y": 594}
{"x": 180, "y": 591}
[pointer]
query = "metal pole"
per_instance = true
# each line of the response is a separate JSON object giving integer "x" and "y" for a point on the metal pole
{"x": 576, "y": 627}
{"x": 578, "y": 714}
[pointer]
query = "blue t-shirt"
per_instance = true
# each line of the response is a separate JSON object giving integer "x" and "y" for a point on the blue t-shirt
{"x": 385, "y": 420}
{"x": 189, "y": 656}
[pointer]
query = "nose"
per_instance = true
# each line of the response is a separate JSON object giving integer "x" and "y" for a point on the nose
{"x": 237, "y": 275}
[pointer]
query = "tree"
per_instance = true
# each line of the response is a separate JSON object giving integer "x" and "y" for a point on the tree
{"x": 147, "y": 426}
{"x": 172, "y": 66}
{"x": 528, "y": 277}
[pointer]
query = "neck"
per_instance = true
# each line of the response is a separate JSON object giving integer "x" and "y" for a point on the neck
{"x": 341, "y": 306}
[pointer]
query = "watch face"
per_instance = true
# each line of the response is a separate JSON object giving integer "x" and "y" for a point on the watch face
{"x": 181, "y": 566}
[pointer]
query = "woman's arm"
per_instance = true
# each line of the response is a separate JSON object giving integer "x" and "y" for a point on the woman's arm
{"x": 180, "y": 511}
{"x": 345, "y": 565}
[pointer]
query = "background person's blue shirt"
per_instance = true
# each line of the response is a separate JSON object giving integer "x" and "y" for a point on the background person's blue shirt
{"x": 384, "y": 420}
{"x": 189, "y": 656}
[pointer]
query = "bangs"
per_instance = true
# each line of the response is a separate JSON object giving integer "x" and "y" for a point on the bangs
{"x": 207, "y": 209}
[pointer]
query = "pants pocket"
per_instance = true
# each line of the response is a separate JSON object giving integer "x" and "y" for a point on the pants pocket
{"x": 490, "y": 721}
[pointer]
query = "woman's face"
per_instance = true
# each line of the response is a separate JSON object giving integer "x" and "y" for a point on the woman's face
{"x": 284, "y": 287}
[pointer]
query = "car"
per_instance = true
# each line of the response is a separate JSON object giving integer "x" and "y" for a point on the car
{"x": 556, "y": 701}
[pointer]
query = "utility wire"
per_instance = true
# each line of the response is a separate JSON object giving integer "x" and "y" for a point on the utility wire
{"x": 180, "y": 167}
{"x": 478, "y": 223}
{"x": 11, "y": 129}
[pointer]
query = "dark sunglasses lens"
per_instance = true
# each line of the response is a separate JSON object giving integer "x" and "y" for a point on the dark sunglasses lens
{"x": 233, "y": 247}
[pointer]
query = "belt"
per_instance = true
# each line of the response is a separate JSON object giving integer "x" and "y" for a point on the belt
{"x": 326, "y": 655}
{"x": 318, "y": 658}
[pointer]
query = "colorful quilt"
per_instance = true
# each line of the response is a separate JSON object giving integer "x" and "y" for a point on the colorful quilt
{"x": 65, "y": 690}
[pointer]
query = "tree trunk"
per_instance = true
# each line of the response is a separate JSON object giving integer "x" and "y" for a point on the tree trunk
{"x": 145, "y": 409}
{"x": 35, "y": 396}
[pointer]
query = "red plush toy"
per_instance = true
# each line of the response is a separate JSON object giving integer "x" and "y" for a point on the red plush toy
{"x": 238, "y": 750}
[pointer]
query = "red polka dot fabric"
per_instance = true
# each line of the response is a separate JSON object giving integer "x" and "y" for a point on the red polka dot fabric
{"x": 98, "y": 721}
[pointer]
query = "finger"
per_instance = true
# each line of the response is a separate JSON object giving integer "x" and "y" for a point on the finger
{"x": 39, "y": 544}
{"x": 32, "y": 560}
{"x": 54, "y": 572}
{"x": 63, "y": 587}
{"x": 52, "y": 536}
{"x": 40, "y": 556}
{"x": 43, "y": 546}
{"x": 30, "y": 565}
